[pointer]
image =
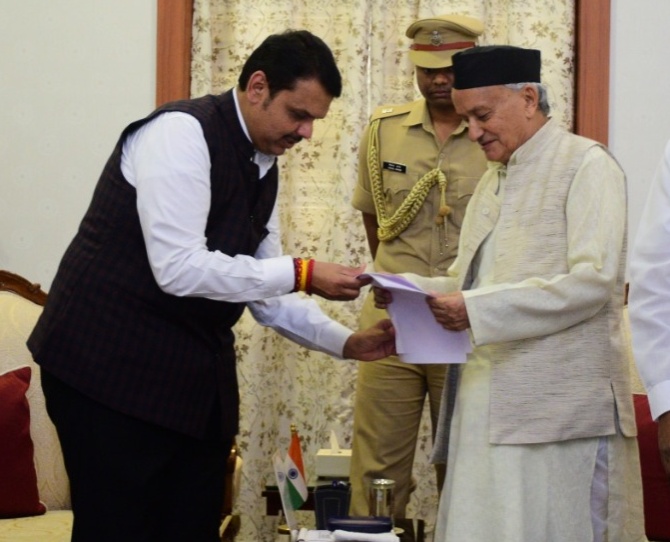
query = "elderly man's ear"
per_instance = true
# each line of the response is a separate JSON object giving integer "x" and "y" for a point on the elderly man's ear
{"x": 531, "y": 99}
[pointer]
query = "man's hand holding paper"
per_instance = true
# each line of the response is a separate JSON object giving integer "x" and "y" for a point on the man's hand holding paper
{"x": 420, "y": 336}
{"x": 450, "y": 311}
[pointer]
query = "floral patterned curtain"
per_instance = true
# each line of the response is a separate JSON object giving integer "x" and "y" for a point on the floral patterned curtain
{"x": 280, "y": 382}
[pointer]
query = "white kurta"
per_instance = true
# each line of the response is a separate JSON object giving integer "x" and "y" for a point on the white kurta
{"x": 650, "y": 290}
{"x": 533, "y": 492}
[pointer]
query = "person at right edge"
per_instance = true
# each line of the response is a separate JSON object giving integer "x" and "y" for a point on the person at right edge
{"x": 649, "y": 302}
{"x": 417, "y": 171}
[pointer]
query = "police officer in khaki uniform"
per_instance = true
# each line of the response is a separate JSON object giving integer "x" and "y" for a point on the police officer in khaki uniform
{"x": 417, "y": 171}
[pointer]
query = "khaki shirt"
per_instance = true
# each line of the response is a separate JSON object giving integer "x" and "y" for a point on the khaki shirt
{"x": 409, "y": 149}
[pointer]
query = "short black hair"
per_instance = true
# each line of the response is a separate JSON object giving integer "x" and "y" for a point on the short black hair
{"x": 291, "y": 56}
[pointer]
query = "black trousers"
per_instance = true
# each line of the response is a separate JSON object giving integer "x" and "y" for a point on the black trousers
{"x": 133, "y": 481}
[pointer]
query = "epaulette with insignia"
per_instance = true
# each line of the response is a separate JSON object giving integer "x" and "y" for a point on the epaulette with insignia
{"x": 391, "y": 111}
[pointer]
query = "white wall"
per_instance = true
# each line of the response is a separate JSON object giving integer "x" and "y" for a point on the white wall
{"x": 639, "y": 94}
{"x": 73, "y": 73}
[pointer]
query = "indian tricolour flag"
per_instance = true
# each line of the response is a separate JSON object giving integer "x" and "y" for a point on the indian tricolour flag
{"x": 280, "y": 472}
{"x": 295, "y": 472}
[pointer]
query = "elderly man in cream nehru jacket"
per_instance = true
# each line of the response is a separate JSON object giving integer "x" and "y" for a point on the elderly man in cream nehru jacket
{"x": 416, "y": 153}
{"x": 541, "y": 439}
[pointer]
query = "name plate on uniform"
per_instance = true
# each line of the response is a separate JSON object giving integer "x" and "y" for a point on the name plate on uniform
{"x": 392, "y": 166}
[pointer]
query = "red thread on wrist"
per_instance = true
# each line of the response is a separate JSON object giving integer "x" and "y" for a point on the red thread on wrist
{"x": 310, "y": 271}
{"x": 297, "y": 270}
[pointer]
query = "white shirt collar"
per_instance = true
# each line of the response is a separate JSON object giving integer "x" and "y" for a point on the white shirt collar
{"x": 262, "y": 160}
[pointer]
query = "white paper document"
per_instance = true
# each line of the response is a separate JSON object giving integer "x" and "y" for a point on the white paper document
{"x": 314, "y": 536}
{"x": 305, "y": 535}
{"x": 419, "y": 338}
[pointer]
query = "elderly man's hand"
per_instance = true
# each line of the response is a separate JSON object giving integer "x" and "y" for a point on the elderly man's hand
{"x": 373, "y": 343}
{"x": 450, "y": 310}
{"x": 337, "y": 282}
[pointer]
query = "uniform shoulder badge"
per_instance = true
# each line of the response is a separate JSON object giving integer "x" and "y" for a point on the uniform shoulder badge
{"x": 390, "y": 111}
